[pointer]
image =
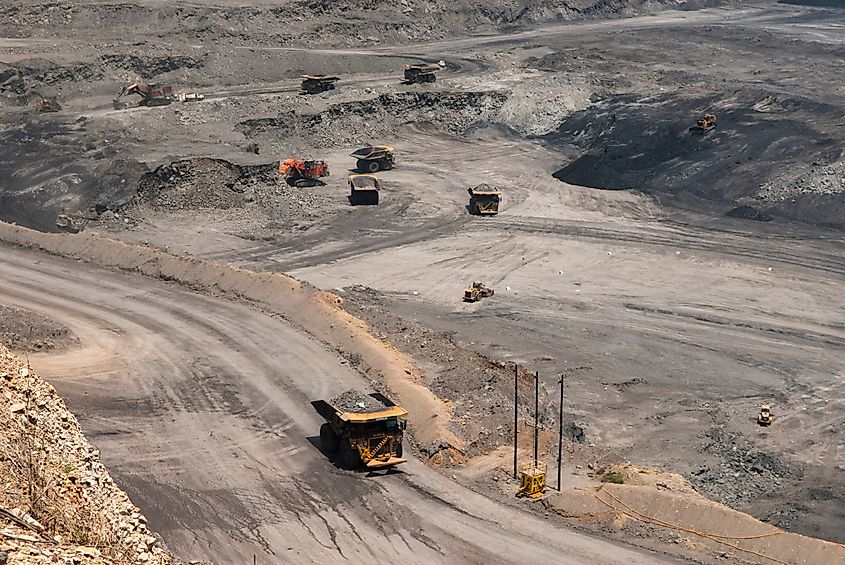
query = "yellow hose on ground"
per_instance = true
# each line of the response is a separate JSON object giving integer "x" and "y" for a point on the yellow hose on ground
{"x": 718, "y": 538}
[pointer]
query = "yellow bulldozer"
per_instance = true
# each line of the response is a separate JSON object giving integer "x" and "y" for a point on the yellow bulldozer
{"x": 705, "y": 124}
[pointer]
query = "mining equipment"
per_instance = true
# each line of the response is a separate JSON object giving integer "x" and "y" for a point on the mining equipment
{"x": 303, "y": 173}
{"x": 363, "y": 189}
{"x": 705, "y": 124}
{"x": 484, "y": 200}
{"x": 315, "y": 84}
{"x": 151, "y": 95}
{"x": 368, "y": 439}
{"x": 476, "y": 291}
{"x": 764, "y": 418}
{"x": 374, "y": 158}
{"x": 419, "y": 73}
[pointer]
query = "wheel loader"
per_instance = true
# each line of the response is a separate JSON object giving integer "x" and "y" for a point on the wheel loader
{"x": 363, "y": 189}
{"x": 484, "y": 200}
{"x": 476, "y": 292}
{"x": 367, "y": 434}
{"x": 315, "y": 84}
{"x": 705, "y": 124}
{"x": 151, "y": 95}
{"x": 303, "y": 173}
{"x": 374, "y": 158}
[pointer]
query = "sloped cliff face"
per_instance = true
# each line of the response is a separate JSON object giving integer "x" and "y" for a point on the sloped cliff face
{"x": 58, "y": 503}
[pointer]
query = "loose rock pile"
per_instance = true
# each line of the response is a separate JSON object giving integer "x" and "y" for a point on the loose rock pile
{"x": 58, "y": 503}
{"x": 354, "y": 401}
{"x": 352, "y": 123}
{"x": 817, "y": 179}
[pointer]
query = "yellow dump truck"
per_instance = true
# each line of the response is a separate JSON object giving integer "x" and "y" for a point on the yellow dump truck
{"x": 484, "y": 200}
{"x": 366, "y": 430}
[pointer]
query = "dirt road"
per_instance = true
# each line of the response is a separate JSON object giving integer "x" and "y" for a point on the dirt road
{"x": 200, "y": 409}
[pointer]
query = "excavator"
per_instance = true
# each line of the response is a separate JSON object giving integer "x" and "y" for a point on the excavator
{"x": 303, "y": 173}
{"x": 151, "y": 95}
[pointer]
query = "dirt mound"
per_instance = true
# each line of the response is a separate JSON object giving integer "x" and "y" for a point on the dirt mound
{"x": 630, "y": 142}
{"x": 354, "y": 123}
{"x": 54, "y": 487}
{"x": 748, "y": 213}
{"x": 355, "y": 401}
{"x": 193, "y": 184}
{"x": 24, "y": 330}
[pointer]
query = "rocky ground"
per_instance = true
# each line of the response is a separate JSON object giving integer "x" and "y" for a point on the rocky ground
{"x": 58, "y": 503}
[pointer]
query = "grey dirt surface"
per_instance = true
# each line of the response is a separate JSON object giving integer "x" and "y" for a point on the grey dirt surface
{"x": 202, "y": 416}
{"x": 676, "y": 281}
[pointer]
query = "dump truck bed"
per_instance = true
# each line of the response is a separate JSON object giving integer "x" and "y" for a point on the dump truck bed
{"x": 386, "y": 411}
{"x": 372, "y": 152}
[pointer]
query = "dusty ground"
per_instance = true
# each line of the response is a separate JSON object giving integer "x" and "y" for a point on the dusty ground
{"x": 671, "y": 319}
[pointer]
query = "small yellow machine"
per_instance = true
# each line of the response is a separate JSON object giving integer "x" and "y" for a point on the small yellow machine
{"x": 477, "y": 291}
{"x": 705, "y": 125}
{"x": 764, "y": 418}
{"x": 532, "y": 480}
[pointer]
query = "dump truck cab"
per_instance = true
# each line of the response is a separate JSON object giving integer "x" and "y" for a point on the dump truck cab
{"x": 484, "y": 200}
{"x": 374, "y": 158}
{"x": 363, "y": 189}
{"x": 315, "y": 84}
{"x": 367, "y": 435}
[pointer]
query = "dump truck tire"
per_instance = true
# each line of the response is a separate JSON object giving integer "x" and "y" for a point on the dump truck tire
{"x": 399, "y": 449}
{"x": 328, "y": 439}
{"x": 372, "y": 166}
{"x": 349, "y": 456}
{"x": 384, "y": 164}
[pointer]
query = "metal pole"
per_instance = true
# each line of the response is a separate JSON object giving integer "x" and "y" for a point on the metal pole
{"x": 536, "y": 413}
{"x": 560, "y": 433}
{"x": 515, "y": 416}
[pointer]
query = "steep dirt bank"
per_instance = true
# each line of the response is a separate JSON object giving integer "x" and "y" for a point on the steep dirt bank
{"x": 58, "y": 502}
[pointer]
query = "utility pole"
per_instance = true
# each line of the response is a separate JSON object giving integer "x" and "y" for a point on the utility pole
{"x": 560, "y": 432}
{"x": 536, "y": 413}
{"x": 515, "y": 413}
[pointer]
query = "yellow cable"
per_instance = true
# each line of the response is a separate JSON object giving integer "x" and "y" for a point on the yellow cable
{"x": 614, "y": 497}
{"x": 715, "y": 537}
